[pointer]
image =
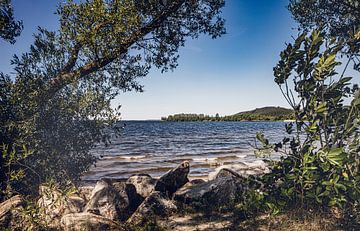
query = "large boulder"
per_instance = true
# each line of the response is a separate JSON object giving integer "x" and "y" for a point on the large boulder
{"x": 255, "y": 168}
{"x": 143, "y": 183}
{"x": 88, "y": 221}
{"x": 105, "y": 200}
{"x": 130, "y": 199}
{"x": 171, "y": 181}
{"x": 156, "y": 204}
{"x": 218, "y": 192}
{"x": 53, "y": 205}
{"x": 186, "y": 187}
{"x": 225, "y": 172}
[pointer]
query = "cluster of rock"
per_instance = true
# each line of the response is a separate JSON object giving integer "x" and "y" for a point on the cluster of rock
{"x": 118, "y": 205}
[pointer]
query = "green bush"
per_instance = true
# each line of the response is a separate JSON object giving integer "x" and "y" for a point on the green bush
{"x": 320, "y": 158}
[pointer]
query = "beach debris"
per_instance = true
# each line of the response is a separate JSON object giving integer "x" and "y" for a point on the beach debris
{"x": 171, "y": 181}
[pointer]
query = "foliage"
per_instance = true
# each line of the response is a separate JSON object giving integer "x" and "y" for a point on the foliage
{"x": 251, "y": 199}
{"x": 58, "y": 104}
{"x": 320, "y": 162}
{"x": 9, "y": 27}
{"x": 190, "y": 117}
{"x": 29, "y": 218}
{"x": 259, "y": 114}
{"x": 338, "y": 18}
{"x": 269, "y": 111}
{"x": 263, "y": 114}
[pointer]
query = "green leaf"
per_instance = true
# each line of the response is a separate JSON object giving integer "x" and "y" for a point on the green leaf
{"x": 322, "y": 107}
{"x": 336, "y": 156}
{"x": 332, "y": 202}
{"x": 341, "y": 186}
{"x": 325, "y": 66}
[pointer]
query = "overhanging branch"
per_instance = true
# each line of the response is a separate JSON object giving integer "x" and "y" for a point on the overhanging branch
{"x": 66, "y": 76}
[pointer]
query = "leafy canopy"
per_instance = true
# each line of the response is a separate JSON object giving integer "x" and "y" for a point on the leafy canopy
{"x": 9, "y": 27}
{"x": 337, "y": 18}
{"x": 61, "y": 93}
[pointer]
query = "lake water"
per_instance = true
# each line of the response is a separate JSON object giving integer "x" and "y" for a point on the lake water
{"x": 154, "y": 147}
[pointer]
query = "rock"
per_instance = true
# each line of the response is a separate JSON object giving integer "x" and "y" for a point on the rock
{"x": 9, "y": 211}
{"x": 186, "y": 187}
{"x": 144, "y": 184}
{"x": 196, "y": 181}
{"x": 209, "y": 194}
{"x": 75, "y": 204}
{"x": 174, "y": 179}
{"x": 255, "y": 168}
{"x": 88, "y": 221}
{"x": 105, "y": 200}
{"x": 130, "y": 199}
{"x": 225, "y": 172}
{"x": 134, "y": 198}
{"x": 53, "y": 205}
{"x": 156, "y": 204}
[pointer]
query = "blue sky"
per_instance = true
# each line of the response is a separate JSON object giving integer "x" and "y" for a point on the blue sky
{"x": 225, "y": 76}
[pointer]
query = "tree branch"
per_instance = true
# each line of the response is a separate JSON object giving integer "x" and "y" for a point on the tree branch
{"x": 65, "y": 77}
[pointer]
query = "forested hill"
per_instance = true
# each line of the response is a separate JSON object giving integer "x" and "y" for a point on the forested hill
{"x": 258, "y": 114}
{"x": 268, "y": 111}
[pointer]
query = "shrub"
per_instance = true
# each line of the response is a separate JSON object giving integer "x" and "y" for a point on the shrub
{"x": 320, "y": 160}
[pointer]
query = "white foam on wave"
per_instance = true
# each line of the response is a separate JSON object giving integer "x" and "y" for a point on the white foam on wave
{"x": 241, "y": 156}
{"x": 131, "y": 157}
{"x": 205, "y": 159}
{"x": 217, "y": 159}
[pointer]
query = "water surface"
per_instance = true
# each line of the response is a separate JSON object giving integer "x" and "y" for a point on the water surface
{"x": 154, "y": 147}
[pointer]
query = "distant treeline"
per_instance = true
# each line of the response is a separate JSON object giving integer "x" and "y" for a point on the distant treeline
{"x": 259, "y": 114}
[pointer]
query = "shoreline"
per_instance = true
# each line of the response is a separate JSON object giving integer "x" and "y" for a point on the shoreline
{"x": 244, "y": 168}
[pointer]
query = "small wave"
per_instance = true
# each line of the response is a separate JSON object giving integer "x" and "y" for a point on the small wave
{"x": 151, "y": 171}
{"x": 213, "y": 152}
{"x": 218, "y": 158}
{"x": 202, "y": 165}
{"x": 176, "y": 161}
{"x": 130, "y": 157}
{"x": 224, "y": 151}
{"x": 205, "y": 159}
{"x": 227, "y": 157}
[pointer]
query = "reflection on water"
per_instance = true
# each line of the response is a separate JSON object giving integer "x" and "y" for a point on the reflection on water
{"x": 154, "y": 147}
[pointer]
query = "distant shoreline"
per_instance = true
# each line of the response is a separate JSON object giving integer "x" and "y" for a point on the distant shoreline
{"x": 208, "y": 121}
{"x": 259, "y": 114}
